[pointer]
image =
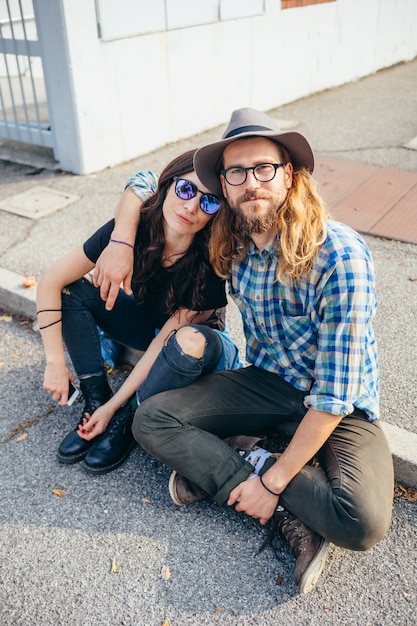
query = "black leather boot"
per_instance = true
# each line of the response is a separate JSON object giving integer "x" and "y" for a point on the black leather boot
{"x": 113, "y": 447}
{"x": 73, "y": 448}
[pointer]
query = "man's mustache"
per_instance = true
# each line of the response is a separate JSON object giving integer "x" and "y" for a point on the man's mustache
{"x": 254, "y": 195}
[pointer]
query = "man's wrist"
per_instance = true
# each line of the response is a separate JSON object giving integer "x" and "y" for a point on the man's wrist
{"x": 268, "y": 489}
{"x": 124, "y": 243}
{"x": 272, "y": 480}
{"x": 125, "y": 236}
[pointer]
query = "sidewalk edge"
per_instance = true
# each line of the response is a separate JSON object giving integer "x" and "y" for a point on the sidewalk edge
{"x": 15, "y": 297}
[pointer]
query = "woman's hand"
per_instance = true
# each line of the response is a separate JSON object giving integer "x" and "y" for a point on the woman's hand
{"x": 95, "y": 424}
{"x": 56, "y": 382}
{"x": 252, "y": 498}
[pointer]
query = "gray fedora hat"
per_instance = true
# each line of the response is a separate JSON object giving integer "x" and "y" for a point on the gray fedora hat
{"x": 249, "y": 122}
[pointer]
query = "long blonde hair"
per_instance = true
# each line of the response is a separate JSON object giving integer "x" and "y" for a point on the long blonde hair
{"x": 300, "y": 223}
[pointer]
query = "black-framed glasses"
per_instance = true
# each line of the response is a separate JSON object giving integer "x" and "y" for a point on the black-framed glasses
{"x": 186, "y": 189}
{"x": 264, "y": 172}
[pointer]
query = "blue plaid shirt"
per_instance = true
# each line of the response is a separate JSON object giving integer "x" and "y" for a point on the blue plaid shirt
{"x": 318, "y": 334}
{"x": 143, "y": 184}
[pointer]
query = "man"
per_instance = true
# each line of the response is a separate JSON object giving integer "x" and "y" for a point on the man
{"x": 305, "y": 288}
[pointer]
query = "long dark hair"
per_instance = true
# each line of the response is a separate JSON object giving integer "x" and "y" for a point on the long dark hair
{"x": 149, "y": 246}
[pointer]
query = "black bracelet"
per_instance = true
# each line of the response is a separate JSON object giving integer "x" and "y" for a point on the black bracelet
{"x": 268, "y": 489}
{"x": 51, "y": 324}
{"x": 48, "y": 311}
{"x": 125, "y": 243}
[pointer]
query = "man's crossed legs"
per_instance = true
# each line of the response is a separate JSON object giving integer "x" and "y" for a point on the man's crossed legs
{"x": 347, "y": 500}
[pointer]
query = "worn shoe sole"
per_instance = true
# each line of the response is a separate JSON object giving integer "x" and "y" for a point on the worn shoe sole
{"x": 172, "y": 487}
{"x": 190, "y": 493}
{"x": 70, "y": 459}
{"x": 313, "y": 571}
{"x": 97, "y": 471}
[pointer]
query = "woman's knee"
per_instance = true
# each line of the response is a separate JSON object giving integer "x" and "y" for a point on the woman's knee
{"x": 191, "y": 341}
{"x": 75, "y": 293}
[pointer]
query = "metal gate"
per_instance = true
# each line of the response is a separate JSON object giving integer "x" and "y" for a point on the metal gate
{"x": 24, "y": 112}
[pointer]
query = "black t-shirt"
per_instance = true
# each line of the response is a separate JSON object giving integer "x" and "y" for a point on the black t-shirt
{"x": 214, "y": 294}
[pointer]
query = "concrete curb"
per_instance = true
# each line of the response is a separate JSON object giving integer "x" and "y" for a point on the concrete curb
{"x": 403, "y": 444}
{"x": 15, "y": 297}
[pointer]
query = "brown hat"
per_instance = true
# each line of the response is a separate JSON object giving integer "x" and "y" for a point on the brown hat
{"x": 247, "y": 123}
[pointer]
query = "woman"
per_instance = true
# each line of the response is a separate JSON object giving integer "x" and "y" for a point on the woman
{"x": 176, "y": 315}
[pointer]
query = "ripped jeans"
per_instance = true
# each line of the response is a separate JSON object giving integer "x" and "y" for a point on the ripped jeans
{"x": 130, "y": 324}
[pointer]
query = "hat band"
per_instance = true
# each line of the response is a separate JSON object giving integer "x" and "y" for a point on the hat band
{"x": 245, "y": 129}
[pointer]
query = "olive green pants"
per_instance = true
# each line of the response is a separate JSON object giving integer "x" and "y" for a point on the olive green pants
{"x": 348, "y": 500}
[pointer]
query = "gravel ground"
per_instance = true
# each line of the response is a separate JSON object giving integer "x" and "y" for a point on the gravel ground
{"x": 58, "y": 550}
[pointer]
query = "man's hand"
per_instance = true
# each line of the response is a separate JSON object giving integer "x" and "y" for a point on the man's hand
{"x": 252, "y": 498}
{"x": 113, "y": 268}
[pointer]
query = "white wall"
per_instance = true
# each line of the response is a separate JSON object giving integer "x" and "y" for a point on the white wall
{"x": 135, "y": 92}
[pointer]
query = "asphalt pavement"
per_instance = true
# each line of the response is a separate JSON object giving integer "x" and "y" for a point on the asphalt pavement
{"x": 82, "y": 550}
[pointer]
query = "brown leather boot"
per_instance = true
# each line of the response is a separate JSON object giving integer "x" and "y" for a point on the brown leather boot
{"x": 183, "y": 491}
{"x": 309, "y": 549}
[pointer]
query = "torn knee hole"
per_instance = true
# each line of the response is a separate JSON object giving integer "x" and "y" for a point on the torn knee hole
{"x": 191, "y": 342}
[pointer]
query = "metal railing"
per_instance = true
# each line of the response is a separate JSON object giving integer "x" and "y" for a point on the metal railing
{"x": 23, "y": 104}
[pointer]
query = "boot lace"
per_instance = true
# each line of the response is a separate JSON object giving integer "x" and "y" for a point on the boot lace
{"x": 286, "y": 526}
{"x": 120, "y": 419}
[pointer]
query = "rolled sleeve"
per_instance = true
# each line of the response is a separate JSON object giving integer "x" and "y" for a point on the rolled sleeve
{"x": 346, "y": 357}
{"x": 143, "y": 184}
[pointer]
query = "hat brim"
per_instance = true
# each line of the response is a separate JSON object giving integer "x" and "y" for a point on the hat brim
{"x": 207, "y": 159}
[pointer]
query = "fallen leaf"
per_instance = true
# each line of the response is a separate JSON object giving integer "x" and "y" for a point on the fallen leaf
{"x": 146, "y": 501}
{"x": 279, "y": 580}
{"x": 326, "y": 608}
{"x": 217, "y": 611}
{"x": 165, "y": 572}
{"x": 113, "y": 566}
{"x": 29, "y": 281}
{"x": 412, "y": 278}
{"x": 59, "y": 492}
{"x": 5, "y": 318}
{"x": 165, "y": 623}
{"x": 22, "y": 437}
{"x": 404, "y": 493}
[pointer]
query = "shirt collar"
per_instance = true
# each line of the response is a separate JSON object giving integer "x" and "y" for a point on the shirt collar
{"x": 270, "y": 251}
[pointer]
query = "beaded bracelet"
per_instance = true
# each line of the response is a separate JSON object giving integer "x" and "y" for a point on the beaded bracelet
{"x": 268, "y": 489}
{"x": 125, "y": 243}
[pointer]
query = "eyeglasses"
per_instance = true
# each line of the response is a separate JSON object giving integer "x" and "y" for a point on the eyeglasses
{"x": 186, "y": 189}
{"x": 264, "y": 172}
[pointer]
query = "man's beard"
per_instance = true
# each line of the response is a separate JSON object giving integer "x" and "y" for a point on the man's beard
{"x": 254, "y": 224}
